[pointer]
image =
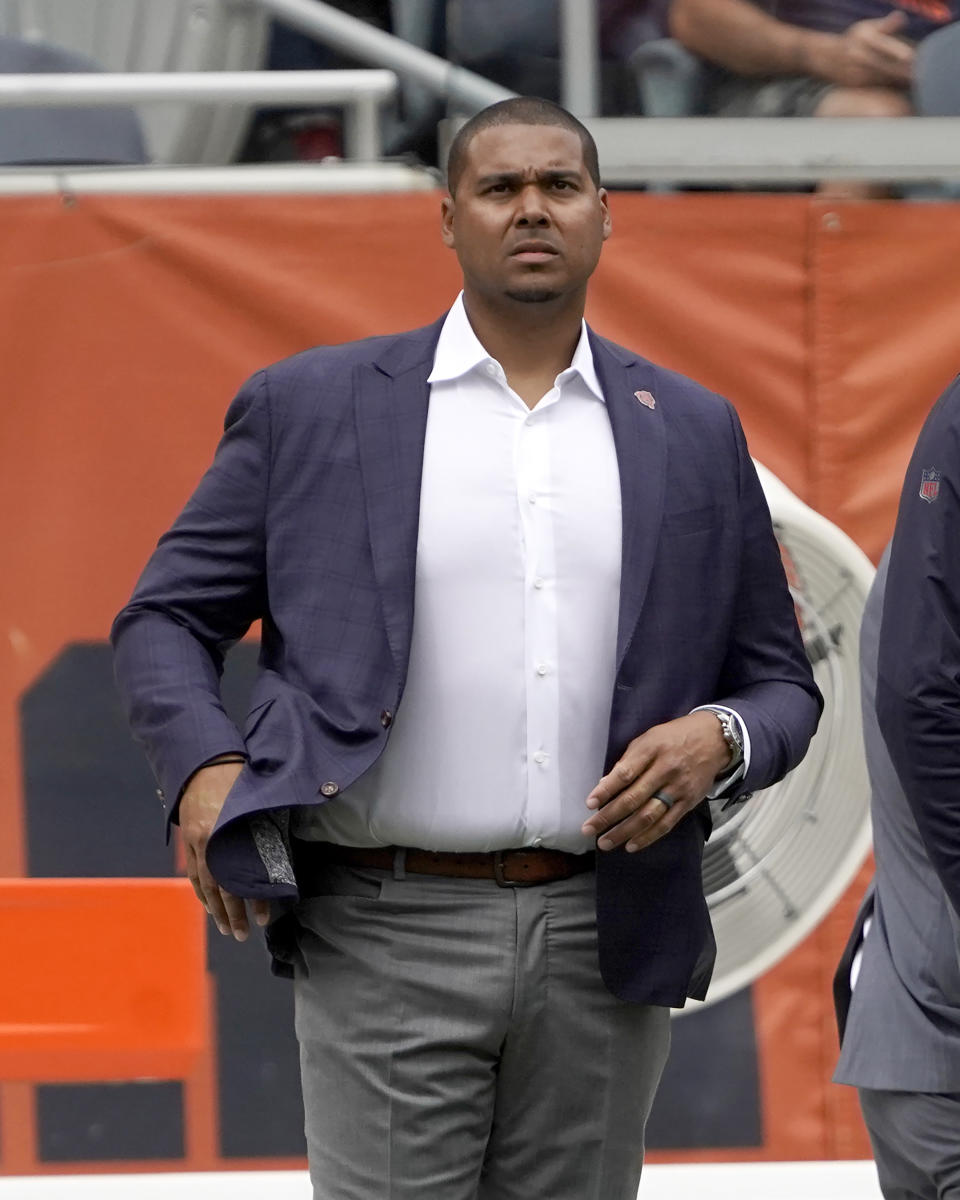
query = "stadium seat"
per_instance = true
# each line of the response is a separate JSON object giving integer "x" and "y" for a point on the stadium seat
{"x": 157, "y": 35}
{"x": 106, "y": 980}
{"x": 670, "y": 79}
{"x": 67, "y": 135}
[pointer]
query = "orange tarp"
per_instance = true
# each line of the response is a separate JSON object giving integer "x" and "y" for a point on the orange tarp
{"x": 126, "y": 324}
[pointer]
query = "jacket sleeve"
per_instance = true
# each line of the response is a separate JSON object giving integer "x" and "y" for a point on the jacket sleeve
{"x": 202, "y": 588}
{"x": 766, "y": 676}
{"x": 918, "y": 681}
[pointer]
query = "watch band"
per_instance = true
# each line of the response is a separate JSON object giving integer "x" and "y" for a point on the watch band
{"x": 730, "y": 726}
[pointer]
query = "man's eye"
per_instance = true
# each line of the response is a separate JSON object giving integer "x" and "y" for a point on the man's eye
{"x": 562, "y": 185}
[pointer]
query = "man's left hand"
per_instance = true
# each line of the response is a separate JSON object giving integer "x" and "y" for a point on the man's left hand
{"x": 680, "y": 759}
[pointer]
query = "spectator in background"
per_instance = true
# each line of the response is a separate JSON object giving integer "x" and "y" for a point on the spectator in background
{"x": 516, "y": 43}
{"x": 627, "y": 24}
{"x": 809, "y": 58}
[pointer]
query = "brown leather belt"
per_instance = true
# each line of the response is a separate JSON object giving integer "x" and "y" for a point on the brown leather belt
{"x": 525, "y": 867}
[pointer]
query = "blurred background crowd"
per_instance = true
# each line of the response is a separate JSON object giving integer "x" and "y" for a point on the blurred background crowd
{"x": 658, "y": 58}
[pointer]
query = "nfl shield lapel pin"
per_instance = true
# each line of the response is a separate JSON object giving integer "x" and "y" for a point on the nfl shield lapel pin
{"x": 930, "y": 484}
{"x": 646, "y": 399}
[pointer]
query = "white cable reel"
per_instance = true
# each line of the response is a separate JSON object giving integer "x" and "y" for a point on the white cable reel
{"x": 776, "y": 865}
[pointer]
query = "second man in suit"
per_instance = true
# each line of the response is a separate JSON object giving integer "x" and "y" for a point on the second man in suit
{"x": 900, "y": 1028}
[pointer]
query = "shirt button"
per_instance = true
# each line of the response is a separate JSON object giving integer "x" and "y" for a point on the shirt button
{"x": 491, "y": 368}
{"x": 386, "y": 718}
{"x": 542, "y": 668}
{"x": 539, "y": 757}
{"x": 532, "y": 498}
{"x": 330, "y": 788}
{"x": 537, "y": 843}
{"x": 538, "y": 583}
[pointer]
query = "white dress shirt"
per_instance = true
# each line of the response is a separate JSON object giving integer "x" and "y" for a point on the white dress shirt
{"x": 503, "y": 726}
{"x": 502, "y": 729}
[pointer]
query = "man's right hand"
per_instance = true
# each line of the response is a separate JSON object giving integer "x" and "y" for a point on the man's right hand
{"x": 868, "y": 54}
{"x": 200, "y": 805}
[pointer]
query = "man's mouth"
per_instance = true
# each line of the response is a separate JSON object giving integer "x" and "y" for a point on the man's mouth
{"x": 534, "y": 252}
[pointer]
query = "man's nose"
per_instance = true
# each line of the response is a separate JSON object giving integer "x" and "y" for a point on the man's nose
{"x": 531, "y": 209}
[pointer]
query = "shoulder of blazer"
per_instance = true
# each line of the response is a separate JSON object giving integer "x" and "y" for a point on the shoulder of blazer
{"x": 672, "y": 387}
{"x": 392, "y": 353}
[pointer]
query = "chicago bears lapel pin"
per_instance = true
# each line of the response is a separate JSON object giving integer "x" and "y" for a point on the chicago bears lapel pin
{"x": 930, "y": 484}
{"x": 646, "y": 399}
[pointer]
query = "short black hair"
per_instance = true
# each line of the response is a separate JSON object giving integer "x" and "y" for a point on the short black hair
{"x": 519, "y": 110}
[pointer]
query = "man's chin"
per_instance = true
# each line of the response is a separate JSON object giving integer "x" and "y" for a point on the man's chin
{"x": 533, "y": 295}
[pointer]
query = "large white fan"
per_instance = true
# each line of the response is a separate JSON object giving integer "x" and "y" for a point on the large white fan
{"x": 776, "y": 865}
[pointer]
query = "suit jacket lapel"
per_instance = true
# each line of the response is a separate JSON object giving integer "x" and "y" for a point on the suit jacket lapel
{"x": 391, "y": 398}
{"x": 640, "y": 440}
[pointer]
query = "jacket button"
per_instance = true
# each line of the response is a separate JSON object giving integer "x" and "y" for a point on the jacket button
{"x": 330, "y": 788}
{"x": 386, "y": 718}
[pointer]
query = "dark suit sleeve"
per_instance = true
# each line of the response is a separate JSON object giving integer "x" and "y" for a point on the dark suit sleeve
{"x": 918, "y": 683}
{"x": 202, "y": 588}
{"x": 766, "y": 676}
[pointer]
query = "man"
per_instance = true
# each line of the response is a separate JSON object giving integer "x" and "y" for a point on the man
{"x": 901, "y": 1037}
{"x": 425, "y": 783}
{"x": 810, "y": 58}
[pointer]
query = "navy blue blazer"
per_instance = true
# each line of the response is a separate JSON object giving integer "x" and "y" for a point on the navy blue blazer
{"x": 308, "y": 519}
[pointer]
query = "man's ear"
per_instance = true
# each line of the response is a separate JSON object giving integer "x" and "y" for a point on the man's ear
{"x": 607, "y": 220}
{"x": 447, "y": 207}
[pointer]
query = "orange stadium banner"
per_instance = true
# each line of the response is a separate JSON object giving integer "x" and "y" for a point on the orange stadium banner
{"x": 126, "y": 325}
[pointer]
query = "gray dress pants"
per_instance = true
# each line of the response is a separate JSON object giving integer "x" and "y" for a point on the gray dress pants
{"x": 457, "y": 1043}
{"x": 916, "y": 1142}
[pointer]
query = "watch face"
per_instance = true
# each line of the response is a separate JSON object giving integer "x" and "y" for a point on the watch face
{"x": 731, "y": 735}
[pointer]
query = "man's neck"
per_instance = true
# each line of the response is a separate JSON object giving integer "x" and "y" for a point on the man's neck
{"x": 532, "y": 342}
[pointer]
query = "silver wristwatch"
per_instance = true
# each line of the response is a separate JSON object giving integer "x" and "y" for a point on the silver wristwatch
{"x": 731, "y": 735}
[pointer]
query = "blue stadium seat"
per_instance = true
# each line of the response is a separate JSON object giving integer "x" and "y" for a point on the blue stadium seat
{"x": 63, "y": 136}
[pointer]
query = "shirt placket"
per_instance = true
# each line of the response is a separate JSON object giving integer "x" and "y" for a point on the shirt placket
{"x": 534, "y": 494}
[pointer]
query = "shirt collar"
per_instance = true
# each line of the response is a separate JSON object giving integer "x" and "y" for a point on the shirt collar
{"x": 459, "y": 351}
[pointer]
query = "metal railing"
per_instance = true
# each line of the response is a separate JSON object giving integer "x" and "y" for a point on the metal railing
{"x": 355, "y": 37}
{"x": 246, "y": 179}
{"x": 579, "y": 57}
{"x": 360, "y": 93}
{"x": 761, "y": 150}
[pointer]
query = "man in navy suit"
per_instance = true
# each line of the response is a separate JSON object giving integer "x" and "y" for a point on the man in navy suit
{"x": 523, "y": 611}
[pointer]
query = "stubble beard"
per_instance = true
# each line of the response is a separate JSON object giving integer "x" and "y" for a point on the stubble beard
{"x": 533, "y": 295}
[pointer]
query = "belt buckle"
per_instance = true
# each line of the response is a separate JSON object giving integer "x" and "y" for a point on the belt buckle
{"x": 501, "y": 879}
